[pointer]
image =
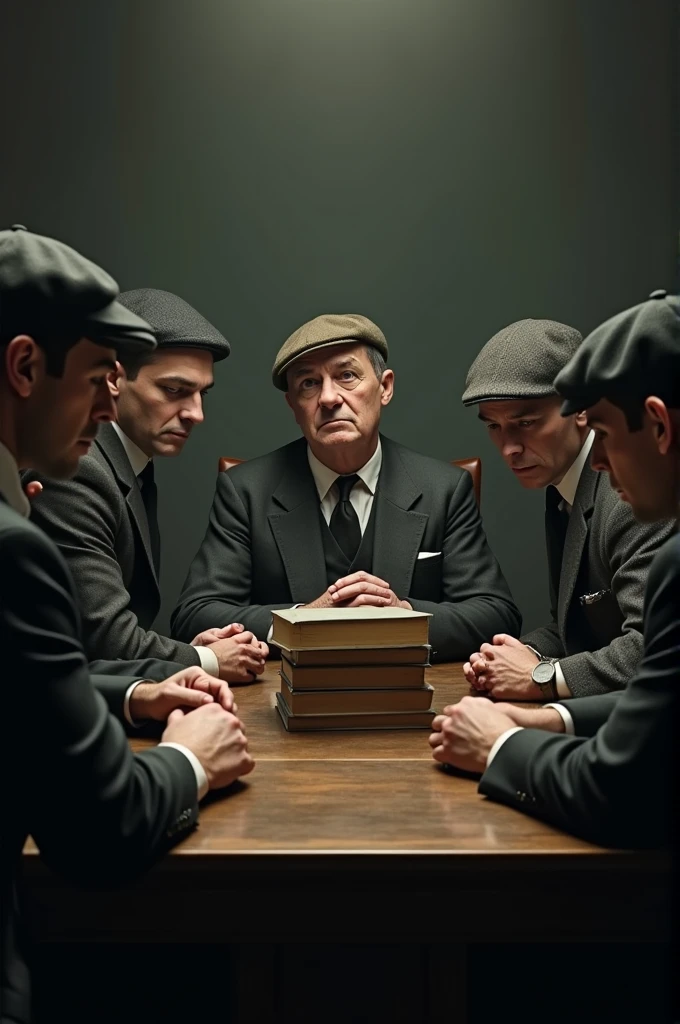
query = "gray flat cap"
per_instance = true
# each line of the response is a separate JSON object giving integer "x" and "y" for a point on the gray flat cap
{"x": 175, "y": 322}
{"x": 328, "y": 329}
{"x": 49, "y": 289}
{"x": 633, "y": 355}
{"x": 521, "y": 361}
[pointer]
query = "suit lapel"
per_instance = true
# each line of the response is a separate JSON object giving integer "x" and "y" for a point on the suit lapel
{"x": 574, "y": 541}
{"x": 112, "y": 450}
{"x": 398, "y": 530}
{"x": 297, "y": 528}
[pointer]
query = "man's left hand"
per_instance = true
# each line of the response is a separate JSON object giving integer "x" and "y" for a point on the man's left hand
{"x": 466, "y": 732}
{"x": 211, "y": 636}
{"x": 188, "y": 689}
{"x": 361, "y": 589}
{"x": 503, "y": 669}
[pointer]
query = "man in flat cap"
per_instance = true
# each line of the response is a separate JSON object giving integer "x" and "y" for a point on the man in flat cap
{"x": 104, "y": 520}
{"x": 345, "y": 516}
{"x": 609, "y": 776}
{"x": 598, "y": 554}
{"x": 97, "y": 813}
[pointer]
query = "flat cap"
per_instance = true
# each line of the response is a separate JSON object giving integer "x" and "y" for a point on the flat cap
{"x": 328, "y": 329}
{"x": 521, "y": 361}
{"x": 175, "y": 322}
{"x": 47, "y": 288}
{"x": 635, "y": 354}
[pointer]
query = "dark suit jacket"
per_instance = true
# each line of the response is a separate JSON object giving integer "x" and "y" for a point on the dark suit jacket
{"x": 263, "y": 549}
{"x": 97, "y": 813}
{"x": 606, "y": 548}
{"x": 99, "y": 523}
{"x": 612, "y": 783}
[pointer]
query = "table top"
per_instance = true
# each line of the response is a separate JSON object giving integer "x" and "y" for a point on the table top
{"x": 363, "y": 791}
{"x": 369, "y": 827}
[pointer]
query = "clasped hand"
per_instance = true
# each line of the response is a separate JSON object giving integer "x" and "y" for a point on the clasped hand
{"x": 359, "y": 589}
{"x": 502, "y": 669}
{"x": 189, "y": 689}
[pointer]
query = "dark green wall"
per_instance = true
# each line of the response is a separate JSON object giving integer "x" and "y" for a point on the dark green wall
{"x": 443, "y": 167}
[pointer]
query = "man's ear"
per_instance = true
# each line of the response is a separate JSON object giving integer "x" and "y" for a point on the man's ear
{"x": 662, "y": 423}
{"x": 387, "y": 387}
{"x": 24, "y": 365}
{"x": 113, "y": 379}
{"x": 581, "y": 419}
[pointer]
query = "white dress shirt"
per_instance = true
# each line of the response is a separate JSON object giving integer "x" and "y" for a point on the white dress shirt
{"x": 567, "y": 488}
{"x": 139, "y": 461}
{"x": 11, "y": 489}
{"x": 361, "y": 495}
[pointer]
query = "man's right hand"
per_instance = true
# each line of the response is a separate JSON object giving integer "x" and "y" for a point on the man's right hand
{"x": 218, "y": 740}
{"x": 241, "y": 659}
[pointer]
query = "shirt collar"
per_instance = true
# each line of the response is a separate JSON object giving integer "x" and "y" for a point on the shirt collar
{"x": 569, "y": 482}
{"x": 10, "y": 483}
{"x": 136, "y": 457}
{"x": 324, "y": 478}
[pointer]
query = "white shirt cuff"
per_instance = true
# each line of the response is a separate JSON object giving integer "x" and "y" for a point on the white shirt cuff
{"x": 500, "y": 741}
{"x": 199, "y": 771}
{"x": 560, "y": 682}
{"x": 208, "y": 660}
{"x": 126, "y": 704}
{"x": 566, "y": 718}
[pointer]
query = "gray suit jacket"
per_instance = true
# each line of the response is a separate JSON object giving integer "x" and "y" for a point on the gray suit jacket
{"x": 98, "y": 521}
{"x": 613, "y": 782}
{"x": 263, "y": 549}
{"x": 98, "y": 814}
{"x": 606, "y": 548}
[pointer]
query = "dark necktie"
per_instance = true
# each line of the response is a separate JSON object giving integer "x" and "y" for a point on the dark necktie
{"x": 344, "y": 524}
{"x": 149, "y": 490}
{"x": 556, "y": 522}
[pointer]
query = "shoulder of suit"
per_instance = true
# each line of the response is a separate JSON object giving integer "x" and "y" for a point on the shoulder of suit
{"x": 19, "y": 536}
{"x": 273, "y": 464}
{"x": 618, "y": 515}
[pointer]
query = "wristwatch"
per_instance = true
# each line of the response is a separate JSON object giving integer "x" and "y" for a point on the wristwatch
{"x": 544, "y": 676}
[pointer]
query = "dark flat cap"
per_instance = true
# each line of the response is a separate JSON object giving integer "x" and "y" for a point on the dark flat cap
{"x": 328, "y": 329}
{"x": 521, "y": 361}
{"x": 633, "y": 355}
{"x": 47, "y": 287}
{"x": 175, "y": 322}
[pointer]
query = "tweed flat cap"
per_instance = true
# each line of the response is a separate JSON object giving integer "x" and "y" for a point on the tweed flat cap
{"x": 175, "y": 322}
{"x": 521, "y": 361}
{"x": 328, "y": 329}
{"x": 47, "y": 288}
{"x": 635, "y": 354}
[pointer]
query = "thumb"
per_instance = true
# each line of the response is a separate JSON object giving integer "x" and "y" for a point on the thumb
{"x": 175, "y": 716}
{"x": 505, "y": 638}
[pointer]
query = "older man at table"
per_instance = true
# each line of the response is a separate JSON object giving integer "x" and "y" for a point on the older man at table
{"x": 610, "y": 779}
{"x": 345, "y": 516}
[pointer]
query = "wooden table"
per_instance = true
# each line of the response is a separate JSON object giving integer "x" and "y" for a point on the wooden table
{"x": 349, "y": 837}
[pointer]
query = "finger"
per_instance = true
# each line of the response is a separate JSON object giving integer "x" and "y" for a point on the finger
{"x": 232, "y": 629}
{"x": 434, "y": 739}
{"x": 478, "y": 663}
{"x": 264, "y": 649}
{"x": 439, "y": 755}
{"x": 350, "y": 593}
{"x": 188, "y": 697}
{"x": 246, "y": 637}
{"x": 487, "y": 650}
{"x": 175, "y": 715}
{"x": 501, "y": 638}
{"x": 359, "y": 577}
{"x": 223, "y": 695}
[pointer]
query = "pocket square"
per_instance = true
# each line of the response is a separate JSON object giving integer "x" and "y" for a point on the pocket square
{"x": 588, "y": 599}
{"x": 428, "y": 554}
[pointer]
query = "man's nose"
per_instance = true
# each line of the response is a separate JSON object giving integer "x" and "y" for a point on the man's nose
{"x": 193, "y": 409}
{"x": 329, "y": 394}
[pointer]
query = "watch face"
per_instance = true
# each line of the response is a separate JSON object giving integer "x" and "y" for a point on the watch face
{"x": 544, "y": 672}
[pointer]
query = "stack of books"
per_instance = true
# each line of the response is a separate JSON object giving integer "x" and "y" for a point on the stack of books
{"x": 353, "y": 668}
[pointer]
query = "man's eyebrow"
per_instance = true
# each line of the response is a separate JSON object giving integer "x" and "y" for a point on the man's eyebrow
{"x": 528, "y": 410}
{"x": 184, "y": 382}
